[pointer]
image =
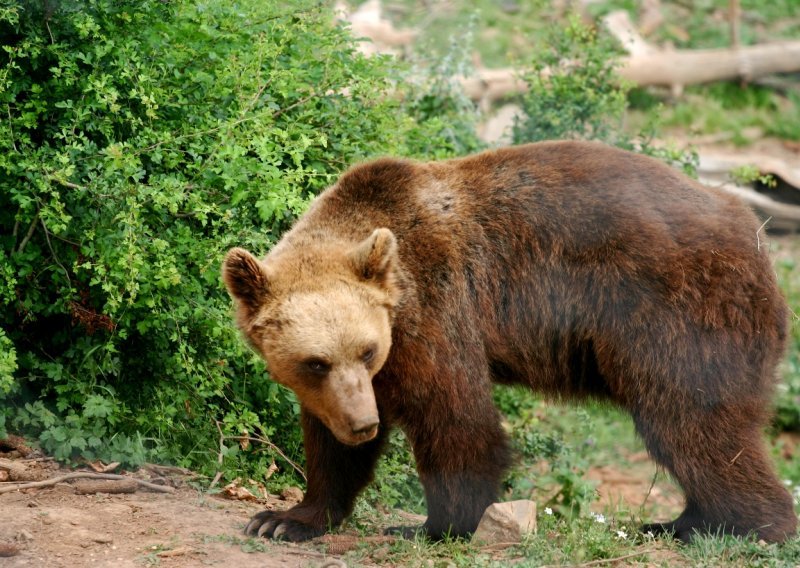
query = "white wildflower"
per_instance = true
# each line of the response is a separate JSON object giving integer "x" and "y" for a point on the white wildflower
{"x": 548, "y": 511}
{"x": 622, "y": 535}
{"x": 599, "y": 518}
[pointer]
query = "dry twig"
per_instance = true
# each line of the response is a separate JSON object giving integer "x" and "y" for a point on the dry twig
{"x": 9, "y": 487}
{"x": 602, "y": 561}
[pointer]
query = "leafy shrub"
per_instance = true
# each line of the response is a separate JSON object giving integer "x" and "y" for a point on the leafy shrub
{"x": 142, "y": 140}
{"x": 574, "y": 92}
{"x": 573, "y": 89}
{"x": 552, "y": 470}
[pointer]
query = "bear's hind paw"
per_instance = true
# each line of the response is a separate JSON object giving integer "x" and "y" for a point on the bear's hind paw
{"x": 669, "y": 530}
{"x": 407, "y": 533}
{"x": 276, "y": 525}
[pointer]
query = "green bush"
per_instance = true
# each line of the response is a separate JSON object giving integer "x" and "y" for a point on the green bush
{"x": 574, "y": 92}
{"x": 573, "y": 89}
{"x": 141, "y": 139}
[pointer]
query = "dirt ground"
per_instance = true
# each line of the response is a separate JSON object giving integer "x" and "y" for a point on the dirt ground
{"x": 56, "y": 527}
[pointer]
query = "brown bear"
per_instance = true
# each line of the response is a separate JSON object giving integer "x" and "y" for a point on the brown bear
{"x": 576, "y": 269}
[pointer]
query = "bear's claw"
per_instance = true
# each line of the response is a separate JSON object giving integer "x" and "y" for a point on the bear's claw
{"x": 279, "y": 526}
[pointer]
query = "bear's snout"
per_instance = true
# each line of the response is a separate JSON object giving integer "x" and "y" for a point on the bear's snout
{"x": 366, "y": 425}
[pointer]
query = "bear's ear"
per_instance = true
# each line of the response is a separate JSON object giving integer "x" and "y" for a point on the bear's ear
{"x": 374, "y": 257}
{"x": 245, "y": 278}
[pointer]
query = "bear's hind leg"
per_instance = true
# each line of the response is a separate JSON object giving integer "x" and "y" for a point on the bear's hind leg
{"x": 718, "y": 457}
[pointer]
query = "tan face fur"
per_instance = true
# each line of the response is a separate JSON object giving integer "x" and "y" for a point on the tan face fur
{"x": 324, "y": 332}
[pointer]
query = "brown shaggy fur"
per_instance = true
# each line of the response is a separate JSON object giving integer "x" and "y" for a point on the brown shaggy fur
{"x": 573, "y": 268}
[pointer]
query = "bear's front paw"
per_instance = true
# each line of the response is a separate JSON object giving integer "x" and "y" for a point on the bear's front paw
{"x": 278, "y": 525}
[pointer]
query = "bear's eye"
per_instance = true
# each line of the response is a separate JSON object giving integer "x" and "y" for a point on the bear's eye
{"x": 368, "y": 354}
{"x": 317, "y": 366}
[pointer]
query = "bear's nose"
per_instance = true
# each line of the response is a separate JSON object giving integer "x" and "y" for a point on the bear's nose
{"x": 364, "y": 425}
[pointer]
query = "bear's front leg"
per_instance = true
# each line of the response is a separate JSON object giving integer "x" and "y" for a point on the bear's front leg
{"x": 461, "y": 459}
{"x": 336, "y": 474}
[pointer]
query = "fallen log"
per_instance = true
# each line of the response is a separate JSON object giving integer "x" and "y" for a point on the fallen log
{"x": 715, "y": 170}
{"x": 676, "y": 68}
{"x": 9, "y": 487}
{"x": 778, "y": 211}
{"x": 649, "y": 65}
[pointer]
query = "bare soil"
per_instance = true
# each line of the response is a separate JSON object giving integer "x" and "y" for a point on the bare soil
{"x": 58, "y": 527}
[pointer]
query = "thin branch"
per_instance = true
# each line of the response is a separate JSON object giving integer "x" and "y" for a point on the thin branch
{"x": 8, "y": 488}
{"x": 53, "y": 252}
{"x": 47, "y": 24}
{"x": 736, "y": 457}
{"x": 259, "y": 439}
{"x": 298, "y": 102}
{"x": 274, "y": 448}
{"x": 219, "y": 456}
{"x": 65, "y": 183}
{"x": 650, "y": 490}
{"x": 11, "y": 128}
{"x": 29, "y": 234}
{"x": 602, "y": 561}
{"x": 735, "y": 16}
{"x": 758, "y": 238}
{"x": 169, "y": 470}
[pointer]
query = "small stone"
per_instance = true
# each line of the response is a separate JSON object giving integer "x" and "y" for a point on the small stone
{"x": 292, "y": 494}
{"x": 102, "y": 538}
{"x": 24, "y": 536}
{"x": 506, "y": 522}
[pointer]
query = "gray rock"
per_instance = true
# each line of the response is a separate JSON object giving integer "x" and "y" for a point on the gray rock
{"x": 506, "y": 522}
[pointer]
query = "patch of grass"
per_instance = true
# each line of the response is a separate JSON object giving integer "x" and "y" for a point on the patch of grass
{"x": 727, "y": 107}
{"x": 735, "y": 552}
{"x": 508, "y": 29}
{"x": 701, "y": 116}
{"x": 788, "y": 126}
{"x": 788, "y": 401}
{"x": 450, "y": 552}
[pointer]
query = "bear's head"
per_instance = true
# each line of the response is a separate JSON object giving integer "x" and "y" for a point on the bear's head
{"x": 320, "y": 315}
